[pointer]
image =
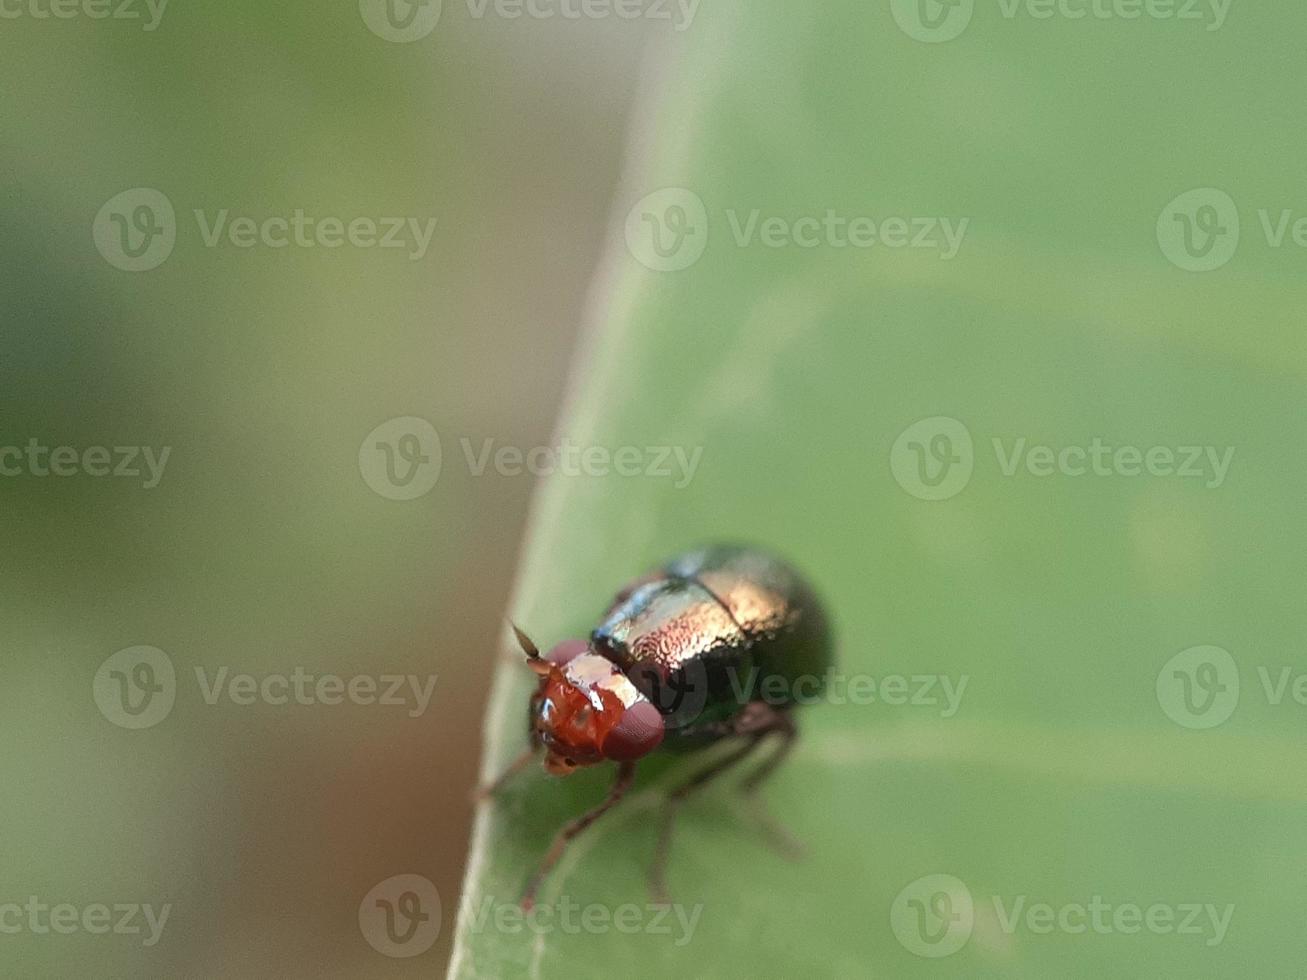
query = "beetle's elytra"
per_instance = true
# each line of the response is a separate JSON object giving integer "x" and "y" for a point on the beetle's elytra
{"x": 677, "y": 663}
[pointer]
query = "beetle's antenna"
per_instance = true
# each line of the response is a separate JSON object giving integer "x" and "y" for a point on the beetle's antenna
{"x": 533, "y": 658}
{"x": 525, "y": 642}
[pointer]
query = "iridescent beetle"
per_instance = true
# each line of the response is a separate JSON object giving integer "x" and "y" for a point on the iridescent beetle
{"x": 709, "y": 647}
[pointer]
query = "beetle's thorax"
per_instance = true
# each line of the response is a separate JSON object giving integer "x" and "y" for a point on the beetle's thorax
{"x": 587, "y": 711}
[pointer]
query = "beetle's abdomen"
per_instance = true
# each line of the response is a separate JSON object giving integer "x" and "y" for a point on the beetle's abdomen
{"x": 701, "y": 638}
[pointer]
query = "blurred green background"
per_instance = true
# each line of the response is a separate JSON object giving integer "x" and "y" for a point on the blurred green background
{"x": 262, "y": 548}
{"x": 1074, "y": 309}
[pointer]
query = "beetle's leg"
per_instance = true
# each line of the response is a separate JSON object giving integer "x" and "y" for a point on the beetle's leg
{"x": 517, "y": 765}
{"x": 788, "y": 732}
{"x": 625, "y": 774}
{"x": 777, "y": 836}
{"x": 658, "y": 871}
{"x": 710, "y": 729}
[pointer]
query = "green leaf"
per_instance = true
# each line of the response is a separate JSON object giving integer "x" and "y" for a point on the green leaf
{"x": 1059, "y": 779}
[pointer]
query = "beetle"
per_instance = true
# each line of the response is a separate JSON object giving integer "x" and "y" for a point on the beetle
{"x": 707, "y": 648}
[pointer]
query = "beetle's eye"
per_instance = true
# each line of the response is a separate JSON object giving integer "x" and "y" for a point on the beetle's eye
{"x": 638, "y": 733}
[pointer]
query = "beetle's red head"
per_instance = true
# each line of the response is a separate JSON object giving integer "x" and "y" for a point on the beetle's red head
{"x": 586, "y": 710}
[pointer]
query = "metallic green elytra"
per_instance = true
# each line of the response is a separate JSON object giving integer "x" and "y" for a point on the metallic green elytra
{"x": 712, "y": 631}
